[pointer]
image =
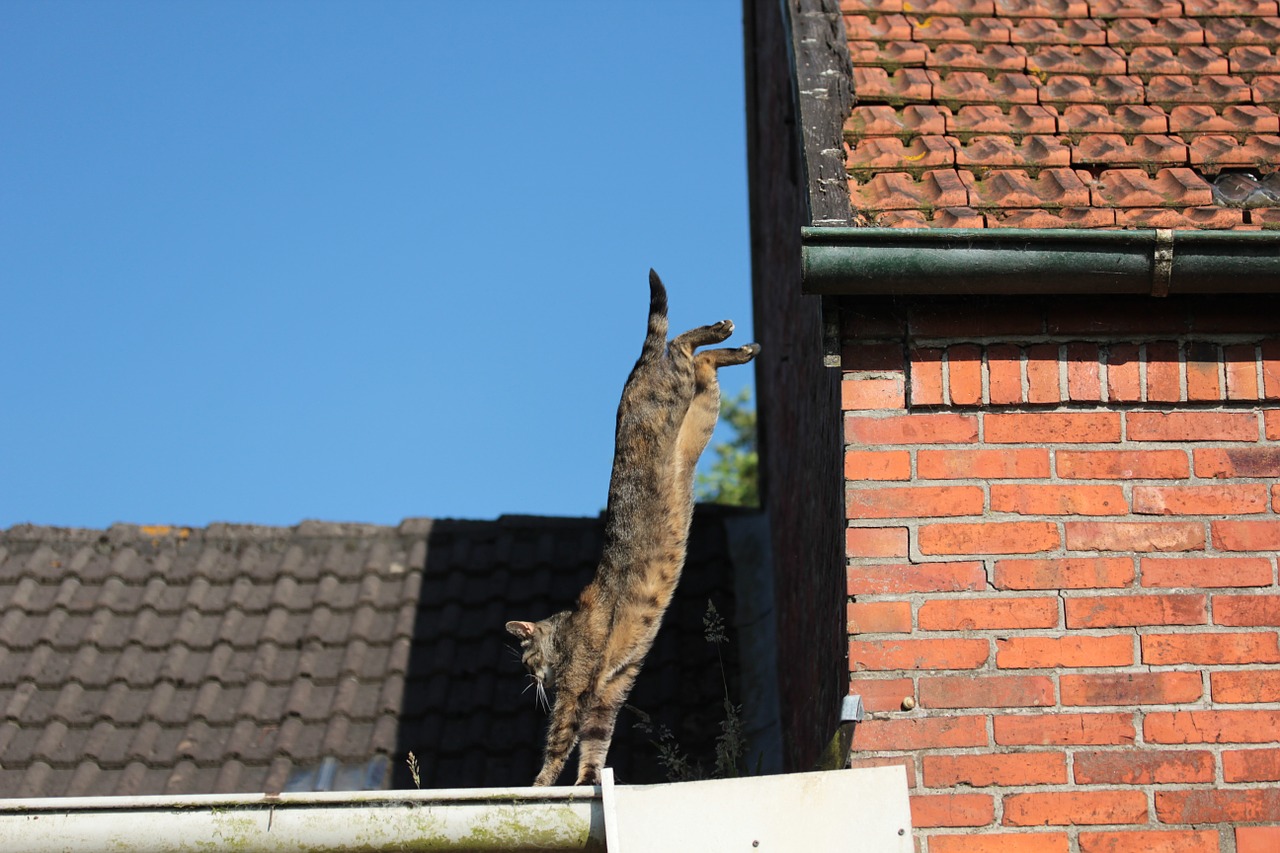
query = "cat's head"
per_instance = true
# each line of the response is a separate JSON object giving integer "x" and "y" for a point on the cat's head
{"x": 540, "y": 647}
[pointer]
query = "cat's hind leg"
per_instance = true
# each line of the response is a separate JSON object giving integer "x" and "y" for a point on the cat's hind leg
{"x": 687, "y": 342}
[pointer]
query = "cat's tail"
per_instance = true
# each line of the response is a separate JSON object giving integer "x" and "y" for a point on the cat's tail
{"x": 656, "y": 341}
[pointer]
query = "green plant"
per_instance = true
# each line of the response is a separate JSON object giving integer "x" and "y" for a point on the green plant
{"x": 734, "y": 473}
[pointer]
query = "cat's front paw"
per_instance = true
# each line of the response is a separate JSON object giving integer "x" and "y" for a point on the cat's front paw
{"x": 723, "y": 329}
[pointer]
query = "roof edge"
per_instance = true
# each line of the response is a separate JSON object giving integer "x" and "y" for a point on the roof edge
{"x": 1018, "y": 261}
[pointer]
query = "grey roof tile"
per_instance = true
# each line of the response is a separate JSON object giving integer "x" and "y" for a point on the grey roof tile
{"x": 242, "y": 658}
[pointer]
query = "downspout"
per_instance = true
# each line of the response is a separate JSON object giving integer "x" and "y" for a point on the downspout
{"x": 997, "y": 261}
{"x": 515, "y": 819}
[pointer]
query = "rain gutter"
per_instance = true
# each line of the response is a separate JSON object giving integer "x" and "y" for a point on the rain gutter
{"x": 998, "y": 261}
{"x": 515, "y": 819}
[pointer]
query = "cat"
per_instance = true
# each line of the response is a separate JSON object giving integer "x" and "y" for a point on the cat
{"x": 590, "y": 655}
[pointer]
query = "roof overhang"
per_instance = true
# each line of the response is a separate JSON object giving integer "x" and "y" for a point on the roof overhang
{"x": 991, "y": 261}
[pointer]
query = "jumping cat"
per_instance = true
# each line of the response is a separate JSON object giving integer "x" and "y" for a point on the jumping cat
{"x": 591, "y": 655}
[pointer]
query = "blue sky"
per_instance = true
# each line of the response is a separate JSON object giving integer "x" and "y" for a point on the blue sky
{"x": 270, "y": 261}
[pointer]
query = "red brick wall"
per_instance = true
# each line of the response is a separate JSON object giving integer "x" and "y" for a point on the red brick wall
{"x": 1063, "y": 603}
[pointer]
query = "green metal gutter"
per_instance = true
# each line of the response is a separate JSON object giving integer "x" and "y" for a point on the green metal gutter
{"x": 1158, "y": 262}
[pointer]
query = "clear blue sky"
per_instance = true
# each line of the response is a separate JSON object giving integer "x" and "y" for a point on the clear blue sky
{"x": 270, "y": 261}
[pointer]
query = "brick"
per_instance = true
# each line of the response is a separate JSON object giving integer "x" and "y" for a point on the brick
{"x": 1241, "y": 361}
{"x": 879, "y": 617}
{"x": 1021, "y": 463}
{"x": 1241, "y": 687}
{"x": 881, "y": 694}
{"x": 1271, "y": 424}
{"x": 1026, "y": 499}
{"x": 910, "y": 733}
{"x": 1163, "y": 369}
{"x": 1210, "y": 649}
{"x": 934, "y": 428}
{"x": 871, "y": 394}
{"x": 1246, "y": 535}
{"x": 964, "y": 367}
{"x": 1042, "y": 374}
{"x": 1075, "y": 808}
{"x": 1004, "y": 374}
{"x": 872, "y": 357}
{"x": 1270, "y": 351}
{"x": 1255, "y": 839}
{"x": 1250, "y": 765}
{"x": 1192, "y": 426}
{"x": 952, "y": 810}
{"x": 985, "y": 614}
{"x": 895, "y": 579}
{"x": 1077, "y": 573}
{"x": 1227, "y": 462}
{"x": 1150, "y": 841}
{"x": 906, "y": 762}
{"x": 1005, "y": 769}
{"x": 1063, "y": 729}
{"x": 1123, "y": 464}
{"x": 1215, "y": 726}
{"x": 913, "y": 502}
{"x": 1130, "y": 688}
{"x": 1134, "y": 536}
{"x": 1072, "y": 651}
{"x": 1084, "y": 372}
{"x": 1206, "y": 571}
{"x": 877, "y": 465}
{"x": 1246, "y": 611}
{"x": 1001, "y": 842}
{"x": 990, "y": 691}
{"x": 1200, "y": 500}
{"x": 1218, "y": 806}
{"x": 1012, "y": 537}
{"x": 1202, "y": 372}
{"x": 1114, "y": 611}
{"x": 1124, "y": 382}
{"x": 1055, "y": 427}
{"x": 926, "y": 377}
{"x": 1143, "y": 767}
{"x": 876, "y": 542}
{"x": 917, "y": 654}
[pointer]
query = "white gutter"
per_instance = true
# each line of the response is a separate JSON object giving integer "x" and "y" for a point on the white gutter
{"x": 490, "y": 819}
{"x": 860, "y": 811}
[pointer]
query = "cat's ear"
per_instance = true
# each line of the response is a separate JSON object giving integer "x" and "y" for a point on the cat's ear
{"x": 523, "y": 630}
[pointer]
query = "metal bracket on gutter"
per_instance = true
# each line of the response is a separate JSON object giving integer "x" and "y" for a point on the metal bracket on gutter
{"x": 1162, "y": 262}
{"x": 1009, "y": 261}
{"x": 836, "y": 755}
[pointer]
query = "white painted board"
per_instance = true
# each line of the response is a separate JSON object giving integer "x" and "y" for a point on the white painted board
{"x": 860, "y": 811}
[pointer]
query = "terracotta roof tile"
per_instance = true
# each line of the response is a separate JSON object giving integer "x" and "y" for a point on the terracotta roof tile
{"x": 1090, "y": 60}
{"x": 888, "y": 55}
{"x": 1225, "y": 33}
{"x": 973, "y": 87}
{"x": 1066, "y": 113}
{"x": 1211, "y": 154}
{"x": 1150, "y": 60}
{"x": 1135, "y": 8}
{"x": 991, "y": 119}
{"x": 942, "y": 28}
{"x": 1112, "y": 149}
{"x": 1042, "y": 8}
{"x": 1051, "y": 31}
{"x": 1035, "y": 151}
{"x": 1064, "y": 89}
{"x": 959, "y": 56}
{"x": 1175, "y": 187}
{"x": 1194, "y": 119}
